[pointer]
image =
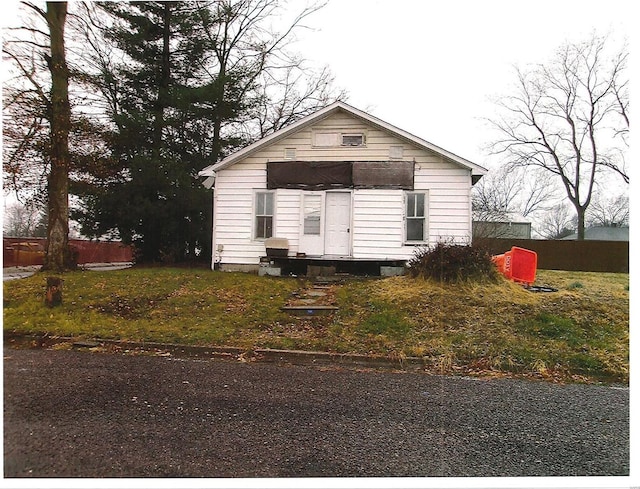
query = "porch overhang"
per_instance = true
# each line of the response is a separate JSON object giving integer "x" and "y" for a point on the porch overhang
{"x": 328, "y": 265}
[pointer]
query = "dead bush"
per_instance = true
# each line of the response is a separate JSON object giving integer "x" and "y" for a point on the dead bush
{"x": 449, "y": 262}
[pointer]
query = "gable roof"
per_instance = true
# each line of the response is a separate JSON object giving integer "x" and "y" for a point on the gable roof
{"x": 476, "y": 170}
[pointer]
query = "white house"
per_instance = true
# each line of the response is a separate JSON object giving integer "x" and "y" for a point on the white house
{"x": 338, "y": 184}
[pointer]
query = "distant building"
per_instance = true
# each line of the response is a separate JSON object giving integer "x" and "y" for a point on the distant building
{"x": 603, "y": 233}
{"x": 509, "y": 225}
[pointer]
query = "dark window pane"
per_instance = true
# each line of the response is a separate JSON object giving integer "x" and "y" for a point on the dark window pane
{"x": 419, "y": 205}
{"x": 415, "y": 205}
{"x": 415, "y": 229}
{"x": 260, "y": 204}
{"x": 352, "y": 139}
{"x": 312, "y": 224}
{"x": 264, "y": 226}
{"x": 411, "y": 204}
{"x": 268, "y": 231}
{"x": 268, "y": 205}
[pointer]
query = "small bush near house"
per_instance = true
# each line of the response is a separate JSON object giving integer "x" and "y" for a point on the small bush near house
{"x": 449, "y": 262}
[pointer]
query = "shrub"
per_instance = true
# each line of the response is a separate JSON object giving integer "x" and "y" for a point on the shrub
{"x": 448, "y": 262}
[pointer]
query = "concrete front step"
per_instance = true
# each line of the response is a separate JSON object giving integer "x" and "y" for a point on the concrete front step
{"x": 309, "y": 310}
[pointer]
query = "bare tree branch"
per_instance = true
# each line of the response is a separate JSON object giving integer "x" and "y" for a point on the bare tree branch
{"x": 559, "y": 120}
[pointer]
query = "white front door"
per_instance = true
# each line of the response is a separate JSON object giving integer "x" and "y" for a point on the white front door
{"x": 337, "y": 240}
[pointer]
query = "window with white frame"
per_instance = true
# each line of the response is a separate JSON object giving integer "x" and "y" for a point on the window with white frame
{"x": 264, "y": 215}
{"x": 312, "y": 206}
{"x": 416, "y": 216}
{"x": 338, "y": 138}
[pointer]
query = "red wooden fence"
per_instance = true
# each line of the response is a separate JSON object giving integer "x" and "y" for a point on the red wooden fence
{"x": 30, "y": 251}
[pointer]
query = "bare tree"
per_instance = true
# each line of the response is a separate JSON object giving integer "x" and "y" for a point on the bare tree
{"x": 557, "y": 222}
{"x": 25, "y": 111}
{"x": 610, "y": 212}
{"x": 248, "y": 61}
{"x": 24, "y": 220}
{"x": 57, "y": 256}
{"x": 292, "y": 92}
{"x": 43, "y": 102}
{"x": 511, "y": 191}
{"x": 565, "y": 119}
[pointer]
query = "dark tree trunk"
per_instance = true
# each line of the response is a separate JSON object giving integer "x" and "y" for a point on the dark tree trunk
{"x": 165, "y": 81}
{"x": 581, "y": 217}
{"x": 58, "y": 257}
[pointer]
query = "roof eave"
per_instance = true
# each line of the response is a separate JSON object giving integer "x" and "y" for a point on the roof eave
{"x": 476, "y": 170}
{"x": 271, "y": 138}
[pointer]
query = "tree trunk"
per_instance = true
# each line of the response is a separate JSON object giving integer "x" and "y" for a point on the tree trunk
{"x": 164, "y": 82}
{"x": 581, "y": 214}
{"x": 58, "y": 257}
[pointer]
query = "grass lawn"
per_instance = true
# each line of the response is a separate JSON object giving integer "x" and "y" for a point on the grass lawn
{"x": 579, "y": 333}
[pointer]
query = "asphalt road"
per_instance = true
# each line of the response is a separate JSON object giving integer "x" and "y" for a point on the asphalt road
{"x": 81, "y": 414}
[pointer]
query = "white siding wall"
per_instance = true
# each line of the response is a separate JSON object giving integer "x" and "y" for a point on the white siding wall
{"x": 288, "y": 217}
{"x": 378, "y": 226}
{"x": 449, "y": 200}
{"x": 233, "y": 213}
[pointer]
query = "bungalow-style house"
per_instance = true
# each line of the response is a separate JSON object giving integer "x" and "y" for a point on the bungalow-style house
{"x": 337, "y": 186}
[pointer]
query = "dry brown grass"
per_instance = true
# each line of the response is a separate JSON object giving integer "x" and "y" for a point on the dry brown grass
{"x": 580, "y": 332}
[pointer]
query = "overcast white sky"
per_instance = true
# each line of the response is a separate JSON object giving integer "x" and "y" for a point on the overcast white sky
{"x": 430, "y": 67}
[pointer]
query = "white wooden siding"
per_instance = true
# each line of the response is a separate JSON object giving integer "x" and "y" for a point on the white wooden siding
{"x": 449, "y": 200}
{"x": 288, "y": 219}
{"x": 378, "y": 214}
{"x": 233, "y": 213}
{"x": 378, "y": 223}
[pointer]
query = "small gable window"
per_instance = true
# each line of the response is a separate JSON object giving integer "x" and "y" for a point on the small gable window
{"x": 352, "y": 139}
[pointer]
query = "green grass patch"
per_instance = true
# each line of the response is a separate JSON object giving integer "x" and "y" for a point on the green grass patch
{"x": 154, "y": 304}
{"x": 384, "y": 319}
{"x": 579, "y": 333}
{"x": 553, "y": 327}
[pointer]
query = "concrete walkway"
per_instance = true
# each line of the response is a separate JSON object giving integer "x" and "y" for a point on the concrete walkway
{"x": 13, "y": 273}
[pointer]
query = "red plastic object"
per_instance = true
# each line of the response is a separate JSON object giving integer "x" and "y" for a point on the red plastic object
{"x": 518, "y": 265}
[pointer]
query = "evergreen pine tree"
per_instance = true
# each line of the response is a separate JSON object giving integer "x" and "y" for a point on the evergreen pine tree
{"x": 156, "y": 201}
